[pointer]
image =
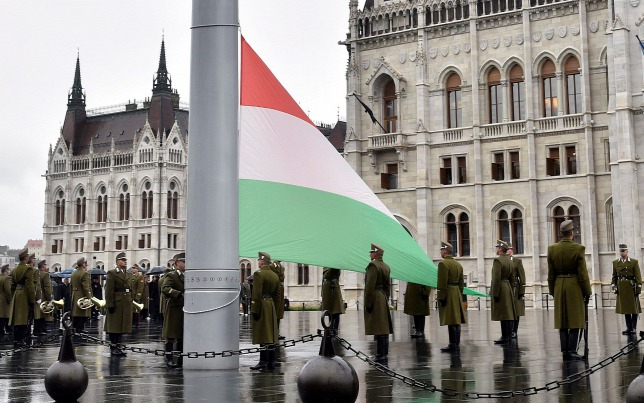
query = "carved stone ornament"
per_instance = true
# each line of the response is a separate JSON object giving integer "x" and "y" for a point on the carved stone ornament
{"x": 520, "y": 39}
{"x": 574, "y": 29}
{"x": 635, "y": 3}
{"x": 495, "y": 43}
{"x": 536, "y": 36}
{"x": 456, "y": 49}
{"x": 365, "y": 64}
{"x": 445, "y": 51}
{"x": 562, "y": 31}
{"x": 549, "y": 33}
{"x": 412, "y": 56}
{"x": 466, "y": 47}
{"x": 507, "y": 41}
{"x": 433, "y": 52}
{"x": 402, "y": 58}
{"x": 594, "y": 26}
{"x": 483, "y": 44}
{"x": 376, "y": 63}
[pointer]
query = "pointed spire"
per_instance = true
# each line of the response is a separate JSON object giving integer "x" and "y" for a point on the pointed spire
{"x": 162, "y": 81}
{"x": 76, "y": 96}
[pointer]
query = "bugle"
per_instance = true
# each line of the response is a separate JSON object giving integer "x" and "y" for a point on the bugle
{"x": 84, "y": 303}
{"x": 47, "y": 307}
{"x": 100, "y": 303}
{"x": 137, "y": 306}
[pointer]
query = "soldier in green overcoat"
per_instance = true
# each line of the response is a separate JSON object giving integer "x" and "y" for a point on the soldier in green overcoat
{"x": 118, "y": 301}
{"x": 502, "y": 308}
{"x": 137, "y": 286}
{"x": 80, "y": 288}
{"x": 35, "y": 313}
{"x": 377, "y": 318}
{"x": 277, "y": 268}
{"x": 23, "y": 300}
{"x": 449, "y": 292}
{"x": 266, "y": 292}
{"x": 332, "y": 296}
{"x": 518, "y": 288}
{"x": 5, "y": 299}
{"x": 162, "y": 299}
{"x": 627, "y": 284}
{"x": 417, "y": 305}
{"x": 568, "y": 283}
{"x": 173, "y": 289}
{"x": 46, "y": 295}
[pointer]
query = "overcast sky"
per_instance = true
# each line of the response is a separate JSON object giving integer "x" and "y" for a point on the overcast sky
{"x": 119, "y": 43}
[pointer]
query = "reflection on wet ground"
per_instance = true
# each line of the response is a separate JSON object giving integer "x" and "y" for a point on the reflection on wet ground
{"x": 534, "y": 360}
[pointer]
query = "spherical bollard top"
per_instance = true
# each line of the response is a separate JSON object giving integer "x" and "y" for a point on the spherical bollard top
{"x": 635, "y": 391}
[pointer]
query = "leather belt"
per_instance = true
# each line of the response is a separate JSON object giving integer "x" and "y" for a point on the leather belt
{"x": 626, "y": 278}
{"x": 566, "y": 275}
{"x": 453, "y": 283}
{"x": 380, "y": 287}
{"x": 267, "y": 296}
{"x": 19, "y": 287}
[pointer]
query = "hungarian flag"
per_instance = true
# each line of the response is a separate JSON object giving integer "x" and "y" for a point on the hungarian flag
{"x": 299, "y": 200}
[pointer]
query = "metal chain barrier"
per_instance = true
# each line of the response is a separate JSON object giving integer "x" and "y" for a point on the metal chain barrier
{"x": 491, "y": 395}
{"x": 39, "y": 342}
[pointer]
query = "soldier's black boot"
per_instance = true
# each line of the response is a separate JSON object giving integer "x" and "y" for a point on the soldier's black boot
{"x": 451, "y": 331}
{"x": 263, "y": 360}
{"x": 381, "y": 351}
{"x": 573, "y": 340}
{"x": 168, "y": 353}
{"x": 420, "y": 327}
{"x": 417, "y": 328}
{"x": 563, "y": 342}
{"x": 179, "y": 348}
{"x": 270, "y": 360}
{"x": 504, "y": 333}
{"x": 633, "y": 323}
{"x": 515, "y": 328}
{"x": 457, "y": 339}
{"x": 335, "y": 324}
{"x": 627, "y": 318}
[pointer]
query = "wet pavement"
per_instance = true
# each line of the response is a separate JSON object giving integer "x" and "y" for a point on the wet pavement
{"x": 534, "y": 360}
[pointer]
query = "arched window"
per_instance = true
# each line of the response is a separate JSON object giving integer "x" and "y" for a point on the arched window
{"x": 124, "y": 203}
{"x": 573, "y": 85}
{"x": 573, "y": 214}
{"x": 391, "y": 106}
{"x": 559, "y": 215}
{"x": 549, "y": 86}
{"x": 517, "y": 93}
{"x": 450, "y": 11}
{"x": 610, "y": 229}
{"x": 101, "y": 205}
{"x": 458, "y": 233}
{"x": 81, "y": 206}
{"x": 244, "y": 270}
{"x": 59, "y": 208}
{"x": 302, "y": 274}
{"x": 510, "y": 227}
{"x": 495, "y": 96}
{"x": 517, "y": 231}
{"x": 173, "y": 201}
{"x": 147, "y": 201}
{"x": 455, "y": 108}
{"x": 504, "y": 226}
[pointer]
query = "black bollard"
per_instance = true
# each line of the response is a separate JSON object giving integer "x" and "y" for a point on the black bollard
{"x": 66, "y": 380}
{"x": 327, "y": 378}
{"x": 635, "y": 391}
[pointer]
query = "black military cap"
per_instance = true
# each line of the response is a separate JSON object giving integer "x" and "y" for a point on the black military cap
{"x": 180, "y": 256}
{"x": 623, "y": 246}
{"x": 42, "y": 263}
{"x": 121, "y": 256}
{"x": 23, "y": 253}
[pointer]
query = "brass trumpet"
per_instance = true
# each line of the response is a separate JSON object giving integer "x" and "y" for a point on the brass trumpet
{"x": 137, "y": 307}
{"x": 84, "y": 303}
{"x": 47, "y": 307}
{"x": 100, "y": 303}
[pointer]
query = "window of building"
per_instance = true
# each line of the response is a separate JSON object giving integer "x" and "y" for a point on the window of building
{"x": 610, "y": 229}
{"x": 573, "y": 85}
{"x": 145, "y": 241}
{"x": 517, "y": 93}
{"x": 559, "y": 215}
{"x": 606, "y": 155}
{"x": 515, "y": 166}
{"x": 447, "y": 175}
{"x": 101, "y": 205}
{"x": 79, "y": 244}
{"x": 446, "y": 171}
{"x": 124, "y": 203}
{"x": 458, "y": 233}
{"x": 553, "y": 165}
{"x": 99, "y": 243}
{"x": 517, "y": 231}
{"x": 57, "y": 246}
{"x": 462, "y": 169}
{"x": 505, "y": 164}
{"x": 498, "y": 167}
{"x": 81, "y": 207}
{"x": 495, "y": 96}
{"x": 59, "y": 208}
{"x": 121, "y": 242}
{"x": 510, "y": 228}
{"x": 172, "y": 241}
{"x": 244, "y": 270}
{"x": 389, "y": 179}
{"x": 173, "y": 201}
{"x": 390, "y": 103}
{"x": 147, "y": 201}
{"x": 571, "y": 160}
{"x": 455, "y": 107}
{"x": 302, "y": 274}
{"x": 575, "y": 216}
{"x": 549, "y": 86}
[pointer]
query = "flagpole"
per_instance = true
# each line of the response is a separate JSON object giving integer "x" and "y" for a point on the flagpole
{"x": 211, "y": 321}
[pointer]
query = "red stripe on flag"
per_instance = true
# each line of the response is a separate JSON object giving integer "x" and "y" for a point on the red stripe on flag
{"x": 260, "y": 88}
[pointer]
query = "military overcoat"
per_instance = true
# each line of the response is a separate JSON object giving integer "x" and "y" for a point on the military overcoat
{"x": 47, "y": 291}
{"x": 449, "y": 292}
{"x": 118, "y": 296}
{"x": 518, "y": 285}
{"x": 568, "y": 283}
{"x": 627, "y": 281}
{"x": 24, "y": 294}
{"x": 331, "y": 291}
{"x": 137, "y": 285}
{"x": 278, "y": 269}
{"x": 377, "y": 318}
{"x": 5, "y": 296}
{"x": 417, "y": 299}
{"x": 162, "y": 299}
{"x": 266, "y": 290}
{"x": 80, "y": 288}
{"x": 501, "y": 289}
{"x": 173, "y": 288}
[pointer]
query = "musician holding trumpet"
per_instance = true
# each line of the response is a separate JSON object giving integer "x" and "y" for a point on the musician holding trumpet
{"x": 118, "y": 301}
{"x": 80, "y": 289}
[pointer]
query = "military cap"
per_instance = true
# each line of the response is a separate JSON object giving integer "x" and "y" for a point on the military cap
{"x": 623, "y": 246}
{"x": 448, "y": 246}
{"x": 376, "y": 249}
{"x": 180, "y": 256}
{"x": 80, "y": 262}
{"x": 23, "y": 253}
{"x": 42, "y": 263}
{"x": 502, "y": 244}
{"x": 264, "y": 256}
{"x": 6, "y": 266}
{"x": 121, "y": 256}
{"x": 566, "y": 226}
{"x": 32, "y": 256}
{"x": 509, "y": 245}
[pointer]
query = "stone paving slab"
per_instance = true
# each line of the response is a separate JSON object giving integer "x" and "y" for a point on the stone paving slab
{"x": 482, "y": 366}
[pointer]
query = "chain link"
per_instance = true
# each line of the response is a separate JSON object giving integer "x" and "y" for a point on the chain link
{"x": 490, "y": 395}
{"x": 35, "y": 343}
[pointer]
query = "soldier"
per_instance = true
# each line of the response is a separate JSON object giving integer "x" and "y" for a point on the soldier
{"x": 266, "y": 291}
{"x": 24, "y": 298}
{"x": 245, "y": 296}
{"x": 137, "y": 285}
{"x": 173, "y": 324}
{"x": 162, "y": 299}
{"x": 97, "y": 292}
{"x": 35, "y": 312}
{"x": 417, "y": 305}
{"x": 277, "y": 268}
{"x": 627, "y": 284}
{"x": 118, "y": 301}
{"x": 80, "y": 288}
{"x": 40, "y": 324}
{"x": 449, "y": 291}
{"x": 501, "y": 292}
{"x": 153, "y": 288}
{"x": 5, "y": 300}
{"x": 377, "y": 318}
{"x": 518, "y": 288}
{"x": 332, "y": 296}
{"x": 568, "y": 283}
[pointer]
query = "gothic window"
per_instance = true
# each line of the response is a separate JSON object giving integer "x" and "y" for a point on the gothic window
{"x": 147, "y": 201}
{"x": 559, "y": 215}
{"x": 455, "y": 108}
{"x": 610, "y": 229}
{"x": 573, "y": 85}
{"x": 124, "y": 203}
{"x": 59, "y": 208}
{"x": 81, "y": 206}
{"x": 495, "y": 96}
{"x": 173, "y": 201}
{"x": 101, "y": 205}
{"x": 458, "y": 233}
{"x": 573, "y": 214}
{"x": 391, "y": 106}
{"x": 549, "y": 86}
{"x": 244, "y": 270}
{"x": 389, "y": 179}
{"x": 302, "y": 274}
{"x": 510, "y": 227}
{"x": 517, "y": 93}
